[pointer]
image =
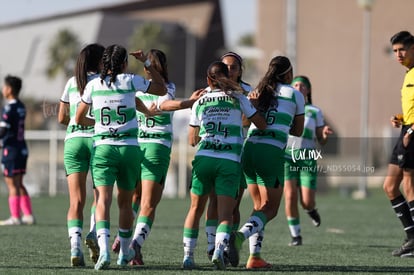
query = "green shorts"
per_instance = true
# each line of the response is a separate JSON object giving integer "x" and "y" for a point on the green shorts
{"x": 304, "y": 171}
{"x": 77, "y": 154}
{"x": 156, "y": 160}
{"x": 221, "y": 174}
{"x": 263, "y": 164}
{"x": 112, "y": 163}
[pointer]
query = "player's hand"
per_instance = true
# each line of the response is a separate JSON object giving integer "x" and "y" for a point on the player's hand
{"x": 140, "y": 55}
{"x": 396, "y": 121}
{"x": 406, "y": 140}
{"x": 197, "y": 94}
{"x": 253, "y": 96}
{"x": 326, "y": 131}
{"x": 153, "y": 110}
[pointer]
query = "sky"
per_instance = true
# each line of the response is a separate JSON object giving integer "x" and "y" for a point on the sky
{"x": 239, "y": 16}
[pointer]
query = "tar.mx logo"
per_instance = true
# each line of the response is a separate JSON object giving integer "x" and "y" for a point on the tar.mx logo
{"x": 304, "y": 154}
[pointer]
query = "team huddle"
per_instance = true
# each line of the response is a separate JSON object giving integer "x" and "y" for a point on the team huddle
{"x": 119, "y": 126}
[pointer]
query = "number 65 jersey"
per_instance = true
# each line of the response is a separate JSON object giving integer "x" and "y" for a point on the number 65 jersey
{"x": 114, "y": 108}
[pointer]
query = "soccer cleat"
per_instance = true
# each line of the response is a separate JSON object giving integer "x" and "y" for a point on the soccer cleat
{"x": 235, "y": 244}
{"x": 296, "y": 241}
{"x": 226, "y": 257}
{"x": 218, "y": 260}
{"x": 116, "y": 246}
{"x": 210, "y": 254}
{"x": 408, "y": 255}
{"x": 11, "y": 221}
{"x": 123, "y": 260}
{"x": 103, "y": 262}
{"x": 92, "y": 243}
{"x": 257, "y": 263}
{"x": 28, "y": 220}
{"x": 137, "y": 260}
{"x": 316, "y": 218}
{"x": 405, "y": 250}
{"x": 76, "y": 257}
{"x": 188, "y": 263}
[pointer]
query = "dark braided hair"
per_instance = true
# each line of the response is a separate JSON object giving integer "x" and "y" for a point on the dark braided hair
{"x": 89, "y": 60}
{"x": 218, "y": 74}
{"x": 113, "y": 60}
{"x": 279, "y": 66}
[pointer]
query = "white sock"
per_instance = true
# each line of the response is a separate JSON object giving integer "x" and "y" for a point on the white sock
{"x": 255, "y": 242}
{"x": 103, "y": 240}
{"x": 124, "y": 242}
{"x": 222, "y": 240}
{"x": 211, "y": 237}
{"x": 294, "y": 226}
{"x": 92, "y": 227}
{"x": 253, "y": 225}
{"x": 142, "y": 230}
{"x": 189, "y": 246}
{"x": 75, "y": 234}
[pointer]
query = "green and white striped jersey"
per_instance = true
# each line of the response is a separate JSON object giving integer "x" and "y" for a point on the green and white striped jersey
{"x": 72, "y": 96}
{"x": 114, "y": 108}
{"x": 313, "y": 120}
{"x": 219, "y": 117}
{"x": 290, "y": 103}
{"x": 156, "y": 129}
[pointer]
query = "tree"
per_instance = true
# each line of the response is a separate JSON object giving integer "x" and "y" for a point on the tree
{"x": 147, "y": 36}
{"x": 63, "y": 52}
{"x": 246, "y": 40}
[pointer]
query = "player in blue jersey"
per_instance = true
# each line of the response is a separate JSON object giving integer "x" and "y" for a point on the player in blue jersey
{"x": 15, "y": 153}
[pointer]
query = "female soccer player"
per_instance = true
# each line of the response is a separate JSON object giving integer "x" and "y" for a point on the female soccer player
{"x": 263, "y": 152}
{"x": 155, "y": 139}
{"x": 234, "y": 63}
{"x": 116, "y": 155}
{"x": 77, "y": 152}
{"x": 301, "y": 172}
{"x": 15, "y": 153}
{"x": 216, "y": 128}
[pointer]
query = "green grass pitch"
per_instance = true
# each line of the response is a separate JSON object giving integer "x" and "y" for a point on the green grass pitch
{"x": 355, "y": 237}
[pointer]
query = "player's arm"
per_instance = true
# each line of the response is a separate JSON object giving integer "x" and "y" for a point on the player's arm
{"x": 63, "y": 115}
{"x": 174, "y": 105}
{"x": 5, "y": 125}
{"x": 157, "y": 86}
{"x": 80, "y": 117}
{"x": 151, "y": 111}
{"x": 193, "y": 137}
{"x": 322, "y": 134}
{"x": 259, "y": 121}
{"x": 3, "y": 129}
{"x": 297, "y": 126}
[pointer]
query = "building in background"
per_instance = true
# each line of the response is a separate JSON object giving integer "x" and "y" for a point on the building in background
{"x": 194, "y": 30}
{"x": 323, "y": 38}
